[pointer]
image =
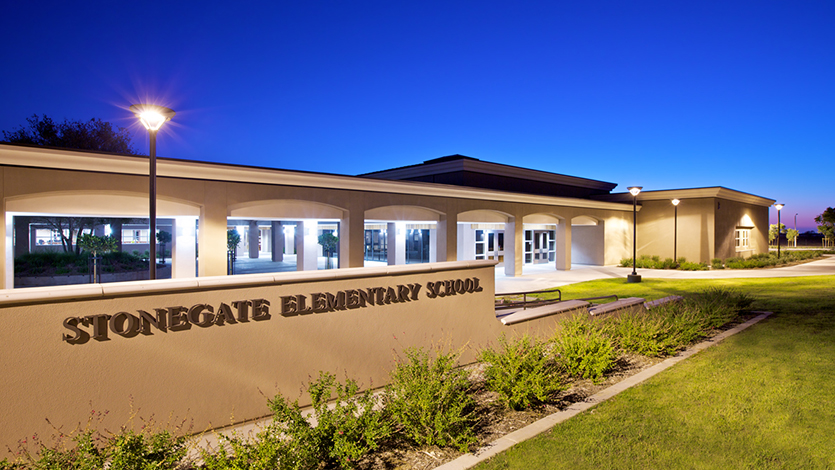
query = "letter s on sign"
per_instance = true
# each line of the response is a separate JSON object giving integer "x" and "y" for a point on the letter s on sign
{"x": 79, "y": 336}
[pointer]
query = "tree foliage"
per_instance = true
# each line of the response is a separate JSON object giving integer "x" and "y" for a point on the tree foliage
{"x": 94, "y": 134}
{"x": 233, "y": 239}
{"x": 69, "y": 229}
{"x": 96, "y": 244}
{"x": 773, "y": 232}
{"x": 826, "y": 223}
{"x": 163, "y": 238}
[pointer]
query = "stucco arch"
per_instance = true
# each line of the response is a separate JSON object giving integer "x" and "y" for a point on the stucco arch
{"x": 588, "y": 240}
{"x": 285, "y": 209}
{"x": 99, "y": 203}
{"x": 583, "y": 220}
{"x": 414, "y": 213}
{"x": 543, "y": 218}
{"x": 483, "y": 216}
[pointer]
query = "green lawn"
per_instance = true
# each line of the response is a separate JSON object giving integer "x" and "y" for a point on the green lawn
{"x": 762, "y": 399}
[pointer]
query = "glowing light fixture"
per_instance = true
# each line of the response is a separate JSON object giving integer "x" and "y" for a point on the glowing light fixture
{"x": 152, "y": 117}
{"x": 634, "y": 191}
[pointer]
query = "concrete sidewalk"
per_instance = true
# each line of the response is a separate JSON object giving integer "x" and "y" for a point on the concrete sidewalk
{"x": 545, "y": 277}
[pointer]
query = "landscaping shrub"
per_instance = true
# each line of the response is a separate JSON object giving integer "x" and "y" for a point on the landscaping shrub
{"x": 646, "y": 333}
{"x": 760, "y": 260}
{"x": 670, "y": 327}
{"x": 583, "y": 349}
{"x": 719, "y": 306}
{"x": 522, "y": 372}
{"x": 692, "y": 266}
{"x": 428, "y": 400}
{"x": 652, "y": 262}
{"x": 267, "y": 451}
{"x": 345, "y": 432}
{"x": 59, "y": 263}
{"x": 127, "y": 450}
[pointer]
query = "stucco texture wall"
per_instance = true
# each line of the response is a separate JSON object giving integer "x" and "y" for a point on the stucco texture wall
{"x": 220, "y": 374}
{"x": 656, "y": 229}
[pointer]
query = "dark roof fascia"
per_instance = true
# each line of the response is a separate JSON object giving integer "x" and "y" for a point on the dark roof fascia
{"x": 489, "y": 168}
{"x": 719, "y": 192}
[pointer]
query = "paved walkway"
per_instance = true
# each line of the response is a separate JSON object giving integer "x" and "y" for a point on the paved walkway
{"x": 544, "y": 277}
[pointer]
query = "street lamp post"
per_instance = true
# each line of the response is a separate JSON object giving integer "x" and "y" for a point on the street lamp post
{"x": 675, "y": 230}
{"x": 152, "y": 117}
{"x": 779, "y": 207}
{"x": 634, "y": 190}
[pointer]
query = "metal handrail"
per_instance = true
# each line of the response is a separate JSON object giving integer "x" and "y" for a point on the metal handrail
{"x": 524, "y": 303}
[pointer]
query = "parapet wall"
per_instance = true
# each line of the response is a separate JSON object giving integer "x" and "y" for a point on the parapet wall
{"x": 211, "y": 349}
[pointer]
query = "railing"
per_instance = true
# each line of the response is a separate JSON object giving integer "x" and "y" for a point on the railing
{"x": 524, "y": 303}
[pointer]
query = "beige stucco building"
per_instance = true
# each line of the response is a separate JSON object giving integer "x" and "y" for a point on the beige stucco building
{"x": 418, "y": 251}
{"x": 448, "y": 209}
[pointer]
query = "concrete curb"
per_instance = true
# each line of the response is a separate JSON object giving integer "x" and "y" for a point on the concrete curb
{"x": 546, "y": 423}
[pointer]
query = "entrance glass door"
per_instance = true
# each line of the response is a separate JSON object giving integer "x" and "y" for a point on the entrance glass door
{"x": 540, "y": 246}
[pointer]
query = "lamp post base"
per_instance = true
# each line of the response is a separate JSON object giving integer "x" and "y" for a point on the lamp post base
{"x": 633, "y": 278}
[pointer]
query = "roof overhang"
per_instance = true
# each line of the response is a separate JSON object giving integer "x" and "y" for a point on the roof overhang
{"x": 488, "y": 168}
{"x": 61, "y": 159}
{"x": 717, "y": 192}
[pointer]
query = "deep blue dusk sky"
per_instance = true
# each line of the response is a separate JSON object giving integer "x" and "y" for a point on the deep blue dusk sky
{"x": 659, "y": 94}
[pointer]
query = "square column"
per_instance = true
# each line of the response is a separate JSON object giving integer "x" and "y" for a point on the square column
{"x": 252, "y": 239}
{"x": 277, "y": 242}
{"x": 307, "y": 245}
{"x": 352, "y": 237}
{"x": 448, "y": 237}
{"x": 212, "y": 233}
{"x": 24, "y": 239}
{"x": 183, "y": 243}
{"x": 563, "y": 246}
{"x": 514, "y": 247}
{"x": 396, "y": 243}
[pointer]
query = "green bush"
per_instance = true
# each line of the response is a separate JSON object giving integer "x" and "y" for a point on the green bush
{"x": 428, "y": 400}
{"x": 583, "y": 349}
{"x": 522, "y": 372}
{"x": 127, "y": 450}
{"x": 719, "y": 306}
{"x": 645, "y": 333}
{"x": 692, "y": 266}
{"x": 267, "y": 451}
{"x": 345, "y": 431}
{"x": 50, "y": 263}
{"x": 716, "y": 263}
{"x": 668, "y": 328}
{"x": 653, "y": 262}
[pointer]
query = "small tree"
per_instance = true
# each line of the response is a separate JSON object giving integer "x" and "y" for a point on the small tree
{"x": 791, "y": 236}
{"x": 163, "y": 237}
{"x": 329, "y": 242}
{"x": 95, "y": 245}
{"x": 826, "y": 224}
{"x": 233, "y": 239}
{"x": 773, "y": 233}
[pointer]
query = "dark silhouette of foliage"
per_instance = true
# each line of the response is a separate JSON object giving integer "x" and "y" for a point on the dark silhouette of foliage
{"x": 94, "y": 134}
